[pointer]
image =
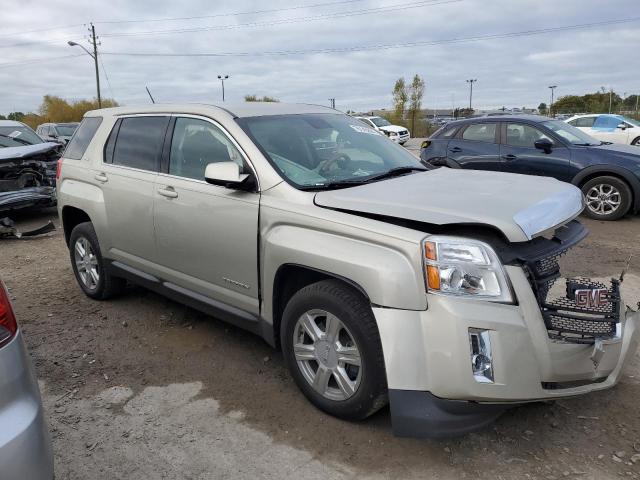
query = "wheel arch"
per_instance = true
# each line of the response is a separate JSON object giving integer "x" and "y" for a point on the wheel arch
{"x": 621, "y": 173}
{"x": 292, "y": 277}
{"x": 71, "y": 217}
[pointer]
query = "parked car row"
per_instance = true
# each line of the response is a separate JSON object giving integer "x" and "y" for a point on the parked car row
{"x": 396, "y": 133}
{"x": 57, "y": 132}
{"x": 608, "y": 174}
{"x": 382, "y": 279}
{"x": 608, "y": 128}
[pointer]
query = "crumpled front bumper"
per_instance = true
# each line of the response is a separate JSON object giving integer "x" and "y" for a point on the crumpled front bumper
{"x": 427, "y": 356}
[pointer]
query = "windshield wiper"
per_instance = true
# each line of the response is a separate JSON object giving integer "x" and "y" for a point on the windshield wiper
{"x": 394, "y": 172}
{"x": 16, "y": 139}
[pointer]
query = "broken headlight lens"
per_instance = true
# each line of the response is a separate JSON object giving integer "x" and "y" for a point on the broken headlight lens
{"x": 466, "y": 268}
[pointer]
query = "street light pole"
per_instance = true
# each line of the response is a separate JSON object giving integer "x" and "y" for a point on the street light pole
{"x": 471, "y": 81}
{"x": 93, "y": 55}
{"x": 222, "y": 79}
{"x": 552, "y": 87}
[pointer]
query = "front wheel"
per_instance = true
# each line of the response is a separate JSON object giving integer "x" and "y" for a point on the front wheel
{"x": 636, "y": 142}
{"x": 608, "y": 198}
{"x": 332, "y": 348}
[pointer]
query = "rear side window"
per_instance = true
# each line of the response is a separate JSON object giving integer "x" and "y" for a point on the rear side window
{"x": 480, "y": 132}
{"x": 139, "y": 142}
{"x": 82, "y": 138}
{"x": 583, "y": 122}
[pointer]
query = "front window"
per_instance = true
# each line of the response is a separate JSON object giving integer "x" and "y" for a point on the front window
{"x": 18, "y": 137}
{"x": 522, "y": 135}
{"x": 66, "y": 130}
{"x": 380, "y": 122}
{"x": 632, "y": 122}
{"x": 326, "y": 150}
{"x": 570, "y": 133}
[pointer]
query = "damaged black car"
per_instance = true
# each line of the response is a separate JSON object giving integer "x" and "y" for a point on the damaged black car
{"x": 27, "y": 168}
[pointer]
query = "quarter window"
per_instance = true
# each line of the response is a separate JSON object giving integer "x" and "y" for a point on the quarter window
{"x": 197, "y": 143}
{"x": 82, "y": 138}
{"x": 521, "y": 135}
{"x": 139, "y": 142}
{"x": 480, "y": 132}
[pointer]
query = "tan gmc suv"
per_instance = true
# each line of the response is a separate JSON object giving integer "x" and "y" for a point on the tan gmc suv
{"x": 381, "y": 280}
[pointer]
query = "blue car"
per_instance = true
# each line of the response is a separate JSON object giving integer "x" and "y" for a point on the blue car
{"x": 609, "y": 175}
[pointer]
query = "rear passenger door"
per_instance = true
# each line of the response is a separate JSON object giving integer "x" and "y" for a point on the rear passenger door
{"x": 476, "y": 147}
{"x": 127, "y": 178}
{"x": 519, "y": 154}
{"x": 206, "y": 235}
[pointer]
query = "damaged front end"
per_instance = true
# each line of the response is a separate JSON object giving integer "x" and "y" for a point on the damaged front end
{"x": 28, "y": 176}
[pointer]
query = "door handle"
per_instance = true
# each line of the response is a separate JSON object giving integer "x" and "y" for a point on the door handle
{"x": 168, "y": 192}
{"x": 101, "y": 177}
{"x": 509, "y": 157}
{"x": 455, "y": 149}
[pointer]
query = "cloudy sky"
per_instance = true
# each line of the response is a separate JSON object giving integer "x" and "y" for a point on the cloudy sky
{"x": 313, "y": 50}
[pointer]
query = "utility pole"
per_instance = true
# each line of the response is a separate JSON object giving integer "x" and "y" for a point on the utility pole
{"x": 552, "y": 87}
{"x": 332, "y": 103}
{"x": 471, "y": 81}
{"x": 222, "y": 79}
{"x": 152, "y": 100}
{"x": 637, "y": 96}
{"x": 610, "y": 93}
{"x": 93, "y": 42}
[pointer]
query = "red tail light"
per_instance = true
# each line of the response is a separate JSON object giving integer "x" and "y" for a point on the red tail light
{"x": 8, "y": 325}
{"x": 59, "y": 169}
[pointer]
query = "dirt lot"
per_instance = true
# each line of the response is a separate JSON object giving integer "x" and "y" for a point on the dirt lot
{"x": 141, "y": 387}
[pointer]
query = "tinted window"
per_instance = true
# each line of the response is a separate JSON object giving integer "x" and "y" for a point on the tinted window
{"x": 197, "y": 143}
{"x": 606, "y": 122}
{"x": 18, "y": 136}
{"x": 480, "y": 132}
{"x": 520, "y": 135}
{"x": 82, "y": 138}
{"x": 139, "y": 142}
{"x": 448, "y": 132}
{"x": 585, "y": 122}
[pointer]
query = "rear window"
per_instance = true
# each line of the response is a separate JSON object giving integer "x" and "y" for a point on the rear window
{"x": 139, "y": 142}
{"x": 82, "y": 138}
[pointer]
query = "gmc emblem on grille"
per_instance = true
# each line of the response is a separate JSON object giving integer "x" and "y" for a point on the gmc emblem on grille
{"x": 592, "y": 298}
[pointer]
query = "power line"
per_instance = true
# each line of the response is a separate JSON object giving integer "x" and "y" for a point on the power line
{"x": 231, "y": 14}
{"x": 366, "y": 11}
{"x": 39, "y": 30}
{"x": 37, "y": 60}
{"x": 381, "y": 46}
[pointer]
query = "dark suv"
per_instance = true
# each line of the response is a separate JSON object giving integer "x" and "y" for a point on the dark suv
{"x": 609, "y": 175}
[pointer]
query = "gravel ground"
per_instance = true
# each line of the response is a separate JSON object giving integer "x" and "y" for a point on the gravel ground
{"x": 141, "y": 387}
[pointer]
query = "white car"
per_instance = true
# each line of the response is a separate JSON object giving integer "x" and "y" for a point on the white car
{"x": 395, "y": 133}
{"x": 608, "y": 128}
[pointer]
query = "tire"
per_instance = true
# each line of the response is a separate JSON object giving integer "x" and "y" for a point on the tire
{"x": 367, "y": 384}
{"x": 636, "y": 142}
{"x": 601, "y": 193}
{"x": 83, "y": 238}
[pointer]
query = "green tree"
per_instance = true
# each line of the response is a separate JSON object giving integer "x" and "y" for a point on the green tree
{"x": 400, "y": 98}
{"x": 15, "y": 116}
{"x": 416, "y": 92}
{"x": 542, "y": 108}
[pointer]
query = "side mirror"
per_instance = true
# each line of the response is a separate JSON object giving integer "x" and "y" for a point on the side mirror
{"x": 227, "y": 174}
{"x": 543, "y": 144}
{"x": 622, "y": 126}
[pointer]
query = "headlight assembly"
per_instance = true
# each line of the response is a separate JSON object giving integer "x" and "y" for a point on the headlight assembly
{"x": 464, "y": 268}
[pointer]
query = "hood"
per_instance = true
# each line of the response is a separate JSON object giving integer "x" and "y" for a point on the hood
{"x": 394, "y": 128}
{"x": 622, "y": 150}
{"x": 11, "y": 153}
{"x": 520, "y": 206}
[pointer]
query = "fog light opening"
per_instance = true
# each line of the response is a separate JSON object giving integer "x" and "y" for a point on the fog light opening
{"x": 481, "y": 359}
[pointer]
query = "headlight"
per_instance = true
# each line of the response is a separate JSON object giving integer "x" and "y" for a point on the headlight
{"x": 465, "y": 268}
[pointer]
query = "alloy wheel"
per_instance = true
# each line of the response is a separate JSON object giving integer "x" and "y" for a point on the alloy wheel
{"x": 327, "y": 355}
{"x": 86, "y": 263}
{"x": 603, "y": 199}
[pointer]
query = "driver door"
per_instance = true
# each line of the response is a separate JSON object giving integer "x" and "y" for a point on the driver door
{"x": 206, "y": 235}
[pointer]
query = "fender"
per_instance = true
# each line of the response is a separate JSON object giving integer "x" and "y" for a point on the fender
{"x": 626, "y": 174}
{"x": 88, "y": 198}
{"x": 388, "y": 276}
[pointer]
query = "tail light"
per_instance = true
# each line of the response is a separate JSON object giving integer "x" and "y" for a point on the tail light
{"x": 8, "y": 325}
{"x": 59, "y": 169}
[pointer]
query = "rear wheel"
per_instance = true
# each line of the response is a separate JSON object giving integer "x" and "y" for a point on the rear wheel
{"x": 608, "y": 198}
{"x": 332, "y": 348}
{"x": 89, "y": 266}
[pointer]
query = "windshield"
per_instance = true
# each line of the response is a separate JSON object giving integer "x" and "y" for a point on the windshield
{"x": 324, "y": 150}
{"x": 66, "y": 130}
{"x": 18, "y": 137}
{"x": 570, "y": 133}
{"x": 380, "y": 122}
{"x": 633, "y": 122}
